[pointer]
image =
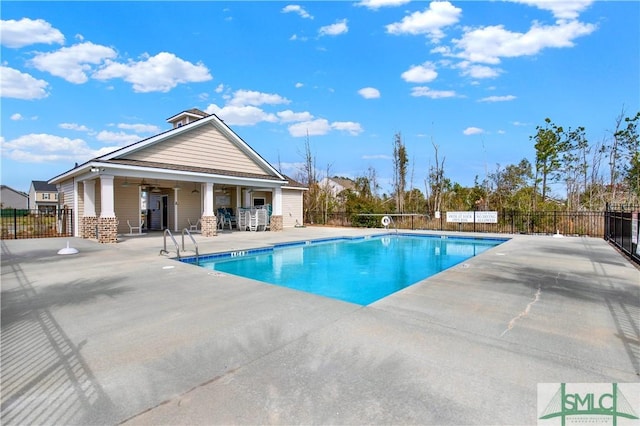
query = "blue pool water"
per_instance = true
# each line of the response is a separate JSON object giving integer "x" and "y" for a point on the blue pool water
{"x": 360, "y": 270}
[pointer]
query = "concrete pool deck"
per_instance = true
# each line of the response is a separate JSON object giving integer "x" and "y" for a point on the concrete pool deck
{"x": 119, "y": 334}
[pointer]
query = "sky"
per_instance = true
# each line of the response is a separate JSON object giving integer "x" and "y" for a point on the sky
{"x": 472, "y": 78}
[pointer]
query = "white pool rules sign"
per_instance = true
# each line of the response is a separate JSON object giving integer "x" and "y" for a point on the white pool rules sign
{"x": 473, "y": 217}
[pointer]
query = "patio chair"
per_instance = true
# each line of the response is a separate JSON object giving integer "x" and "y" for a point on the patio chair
{"x": 224, "y": 218}
{"x": 242, "y": 221}
{"x": 135, "y": 227}
{"x": 194, "y": 227}
{"x": 262, "y": 219}
{"x": 252, "y": 220}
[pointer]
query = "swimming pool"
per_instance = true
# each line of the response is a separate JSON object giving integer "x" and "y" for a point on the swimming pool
{"x": 357, "y": 270}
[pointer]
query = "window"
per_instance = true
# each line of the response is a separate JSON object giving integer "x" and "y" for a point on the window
{"x": 258, "y": 201}
{"x": 45, "y": 196}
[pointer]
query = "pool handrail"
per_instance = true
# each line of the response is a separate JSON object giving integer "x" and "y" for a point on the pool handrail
{"x": 194, "y": 243}
{"x": 164, "y": 250}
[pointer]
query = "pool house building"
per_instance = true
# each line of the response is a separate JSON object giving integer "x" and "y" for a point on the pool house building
{"x": 181, "y": 178}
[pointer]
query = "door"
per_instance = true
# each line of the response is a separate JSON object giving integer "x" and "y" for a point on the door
{"x": 159, "y": 204}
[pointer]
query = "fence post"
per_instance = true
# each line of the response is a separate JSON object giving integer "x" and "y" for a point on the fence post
{"x": 15, "y": 224}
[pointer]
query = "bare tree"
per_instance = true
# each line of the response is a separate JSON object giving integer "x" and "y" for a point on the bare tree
{"x": 436, "y": 181}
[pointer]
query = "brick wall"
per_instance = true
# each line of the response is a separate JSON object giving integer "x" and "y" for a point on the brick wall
{"x": 275, "y": 223}
{"x": 88, "y": 227}
{"x": 209, "y": 226}
{"x": 107, "y": 230}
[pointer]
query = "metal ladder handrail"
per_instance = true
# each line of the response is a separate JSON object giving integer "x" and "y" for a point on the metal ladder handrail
{"x": 193, "y": 241}
{"x": 164, "y": 250}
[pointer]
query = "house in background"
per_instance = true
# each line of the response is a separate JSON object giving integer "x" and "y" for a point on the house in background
{"x": 171, "y": 180}
{"x": 335, "y": 185}
{"x": 43, "y": 196}
{"x": 13, "y": 199}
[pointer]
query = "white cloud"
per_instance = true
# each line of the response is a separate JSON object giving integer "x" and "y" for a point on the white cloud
{"x": 140, "y": 128}
{"x": 41, "y": 148}
{"x": 520, "y": 124}
{"x": 351, "y": 127}
{"x": 299, "y": 85}
{"x": 297, "y": 9}
{"x": 431, "y": 21}
{"x": 252, "y": 97}
{"x": 489, "y": 44}
{"x": 74, "y": 126}
{"x": 478, "y": 71}
{"x": 17, "y": 117}
{"x": 377, "y": 4}
{"x": 498, "y": 98}
{"x": 420, "y": 73}
{"x": 433, "y": 94}
{"x": 159, "y": 73}
{"x": 320, "y": 126}
{"x": 377, "y": 157}
{"x": 369, "y": 93}
{"x": 18, "y": 85}
{"x": 338, "y": 28}
{"x": 316, "y": 127}
{"x": 290, "y": 168}
{"x": 289, "y": 116}
{"x": 73, "y": 63}
{"x": 234, "y": 115}
{"x": 15, "y": 34}
{"x": 473, "y": 131}
{"x": 119, "y": 138}
{"x": 565, "y": 9}
{"x": 219, "y": 88}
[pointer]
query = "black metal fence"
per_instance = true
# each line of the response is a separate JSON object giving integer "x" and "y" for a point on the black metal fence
{"x": 21, "y": 223}
{"x": 621, "y": 230}
{"x": 580, "y": 223}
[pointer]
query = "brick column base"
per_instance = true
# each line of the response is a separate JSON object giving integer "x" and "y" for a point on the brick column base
{"x": 88, "y": 227}
{"x": 275, "y": 223}
{"x": 107, "y": 230}
{"x": 209, "y": 226}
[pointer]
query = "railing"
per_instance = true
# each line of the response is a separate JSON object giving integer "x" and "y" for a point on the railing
{"x": 621, "y": 230}
{"x": 164, "y": 250}
{"x": 185, "y": 230}
{"x": 23, "y": 223}
{"x": 583, "y": 223}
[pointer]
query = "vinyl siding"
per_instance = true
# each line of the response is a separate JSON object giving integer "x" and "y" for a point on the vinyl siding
{"x": 201, "y": 147}
{"x": 66, "y": 191}
{"x": 291, "y": 208}
{"x": 127, "y": 207}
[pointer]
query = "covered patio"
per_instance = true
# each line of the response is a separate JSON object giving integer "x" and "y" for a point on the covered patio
{"x": 200, "y": 175}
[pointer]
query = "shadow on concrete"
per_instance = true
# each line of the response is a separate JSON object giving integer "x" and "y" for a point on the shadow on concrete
{"x": 596, "y": 285}
{"x": 45, "y": 379}
{"x": 268, "y": 378}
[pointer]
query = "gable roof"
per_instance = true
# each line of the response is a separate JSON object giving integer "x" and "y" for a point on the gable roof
{"x": 118, "y": 156}
{"x": 43, "y": 186}
{"x": 8, "y": 188}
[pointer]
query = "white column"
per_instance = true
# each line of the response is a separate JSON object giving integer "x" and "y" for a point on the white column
{"x": 89, "y": 198}
{"x": 175, "y": 208}
{"x": 106, "y": 196}
{"x": 277, "y": 201}
{"x": 208, "y": 199}
{"x": 247, "y": 198}
{"x": 76, "y": 213}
